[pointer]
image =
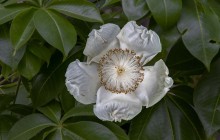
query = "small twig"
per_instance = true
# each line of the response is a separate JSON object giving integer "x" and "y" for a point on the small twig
{"x": 2, "y": 92}
{"x": 17, "y": 89}
{"x": 9, "y": 85}
{"x": 6, "y": 79}
{"x": 1, "y": 76}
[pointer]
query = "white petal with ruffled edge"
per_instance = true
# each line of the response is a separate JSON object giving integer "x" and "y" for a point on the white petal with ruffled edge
{"x": 144, "y": 42}
{"x": 82, "y": 81}
{"x": 99, "y": 41}
{"x": 116, "y": 107}
{"x": 155, "y": 85}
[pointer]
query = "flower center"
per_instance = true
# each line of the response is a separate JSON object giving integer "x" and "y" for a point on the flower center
{"x": 120, "y": 71}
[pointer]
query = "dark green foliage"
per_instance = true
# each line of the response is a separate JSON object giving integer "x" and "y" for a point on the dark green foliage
{"x": 39, "y": 38}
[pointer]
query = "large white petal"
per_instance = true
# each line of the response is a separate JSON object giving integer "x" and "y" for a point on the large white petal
{"x": 82, "y": 81}
{"x": 116, "y": 107}
{"x": 144, "y": 42}
{"x": 155, "y": 85}
{"x": 99, "y": 40}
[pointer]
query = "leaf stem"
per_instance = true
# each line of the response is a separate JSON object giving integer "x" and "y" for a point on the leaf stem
{"x": 17, "y": 89}
{"x": 4, "y": 80}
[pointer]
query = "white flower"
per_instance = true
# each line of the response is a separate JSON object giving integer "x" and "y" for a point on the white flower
{"x": 114, "y": 76}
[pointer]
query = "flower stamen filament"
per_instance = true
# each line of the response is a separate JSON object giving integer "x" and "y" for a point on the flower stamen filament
{"x": 120, "y": 71}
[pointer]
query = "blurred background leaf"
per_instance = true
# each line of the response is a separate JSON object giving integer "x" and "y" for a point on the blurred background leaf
{"x": 207, "y": 99}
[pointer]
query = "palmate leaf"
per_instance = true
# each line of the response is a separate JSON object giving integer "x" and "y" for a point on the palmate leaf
{"x": 79, "y": 111}
{"x": 87, "y": 130}
{"x": 22, "y": 28}
{"x": 56, "y": 30}
{"x": 52, "y": 111}
{"x": 95, "y": 130}
{"x": 71, "y": 128}
{"x": 8, "y": 13}
{"x": 207, "y": 99}
{"x": 82, "y": 9}
{"x": 170, "y": 119}
{"x": 29, "y": 126}
{"x": 200, "y": 29}
{"x": 165, "y": 12}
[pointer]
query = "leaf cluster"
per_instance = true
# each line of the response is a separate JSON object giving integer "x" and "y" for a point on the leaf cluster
{"x": 39, "y": 38}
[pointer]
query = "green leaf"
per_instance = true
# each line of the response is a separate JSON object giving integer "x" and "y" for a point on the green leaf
{"x": 21, "y": 109}
{"x": 22, "y": 28}
{"x": 5, "y": 100}
{"x": 50, "y": 83}
{"x": 28, "y": 127}
{"x": 44, "y": 133}
{"x": 95, "y": 130}
{"x": 135, "y": 9}
{"x": 6, "y": 49}
{"x": 184, "y": 92}
{"x": 182, "y": 62}
{"x": 23, "y": 96}
{"x": 57, "y": 135}
{"x": 110, "y": 2}
{"x": 214, "y": 6}
{"x": 5, "y": 69}
{"x": 200, "y": 29}
{"x": 6, "y": 123}
{"x": 165, "y": 12}
{"x": 82, "y": 9}
{"x": 12, "y": 2}
{"x": 207, "y": 99}
{"x": 8, "y": 13}
{"x": 56, "y": 30}
{"x": 29, "y": 66}
{"x": 117, "y": 130}
{"x": 86, "y": 110}
{"x": 170, "y": 119}
{"x": 40, "y": 51}
{"x": 168, "y": 39}
{"x": 82, "y": 29}
{"x": 52, "y": 111}
{"x": 67, "y": 100}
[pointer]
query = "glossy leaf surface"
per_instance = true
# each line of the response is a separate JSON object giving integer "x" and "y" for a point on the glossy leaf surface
{"x": 200, "y": 29}
{"x": 56, "y": 30}
{"x": 170, "y": 119}
{"x": 22, "y": 28}
{"x": 207, "y": 99}
{"x": 139, "y": 6}
{"x": 165, "y": 12}
{"x": 82, "y": 9}
{"x": 29, "y": 126}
